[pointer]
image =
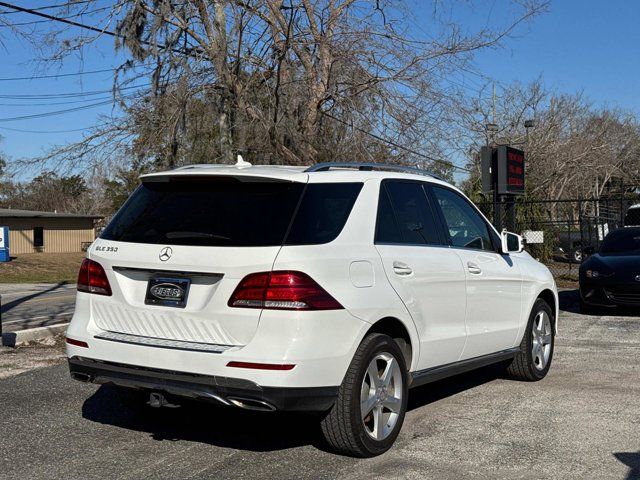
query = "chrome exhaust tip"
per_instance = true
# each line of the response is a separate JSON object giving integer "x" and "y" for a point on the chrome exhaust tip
{"x": 81, "y": 377}
{"x": 251, "y": 404}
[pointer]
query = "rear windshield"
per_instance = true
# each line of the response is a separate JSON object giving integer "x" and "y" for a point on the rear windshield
{"x": 625, "y": 241}
{"x": 633, "y": 216}
{"x": 228, "y": 212}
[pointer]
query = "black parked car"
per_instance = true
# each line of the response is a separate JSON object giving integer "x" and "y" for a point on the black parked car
{"x": 569, "y": 247}
{"x": 611, "y": 277}
{"x": 632, "y": 217}
{"x": 574, "y": 245}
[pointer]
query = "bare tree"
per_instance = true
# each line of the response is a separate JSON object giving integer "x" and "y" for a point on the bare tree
{"x": 574, "y": 151}
{"x": 290, "y": 81}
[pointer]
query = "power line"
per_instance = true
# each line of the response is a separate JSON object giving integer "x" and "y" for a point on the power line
{"x": 43, "y": 131}
{"x": 56, "y": 112}
{"x": 46, "y": 104}
{"x": 49, "y": 7}
{"x": 58, "y": 19}
{"x": 396, "y": 145}
{"x": 60, "y": 75}
{"x": 103, "y": 31}
{"x": 36, "y": 22}
{"x": 44, "y": 96}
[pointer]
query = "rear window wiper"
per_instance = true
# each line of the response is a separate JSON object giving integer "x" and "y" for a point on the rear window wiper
{"x": 175, "y": 235}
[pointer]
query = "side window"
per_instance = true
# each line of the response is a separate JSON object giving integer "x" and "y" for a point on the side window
{"x": 323, "y": 212}
{"x": 405, "y": 216}
{"x": 466, "y": 227}
{"x": 387, "y": 230}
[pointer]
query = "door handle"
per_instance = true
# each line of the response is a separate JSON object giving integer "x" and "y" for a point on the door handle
{"x": 473, "y": 268}
{"x": 402, "y": 268}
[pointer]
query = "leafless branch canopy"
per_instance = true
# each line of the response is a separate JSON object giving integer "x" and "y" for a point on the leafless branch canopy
{"x": 269, "y": 77}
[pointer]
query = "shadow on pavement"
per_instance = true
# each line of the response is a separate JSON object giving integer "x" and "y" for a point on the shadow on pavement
{"x": 631, "y": 460}
{"x": 569, "y": 300}
{"x": 205, "y": 423}
{"x": 247, "y": 430}
{"x": 436, "y": 391}
{"x": 8, "y": 306}
{"x": 36, "y": 317}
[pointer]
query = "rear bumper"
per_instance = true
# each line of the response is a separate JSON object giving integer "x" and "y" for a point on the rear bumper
{"x": 216, "y": 389}
{"x": 320, "y": 344}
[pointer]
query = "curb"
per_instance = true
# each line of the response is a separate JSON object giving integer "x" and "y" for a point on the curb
{"x": 11, "y": 339}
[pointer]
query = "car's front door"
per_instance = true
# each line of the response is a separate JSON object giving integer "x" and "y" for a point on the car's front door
{"x": 494, "y": 281}
{"x": 426, "y": 274}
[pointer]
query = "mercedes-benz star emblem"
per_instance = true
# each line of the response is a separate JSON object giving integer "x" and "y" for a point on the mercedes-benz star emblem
{"x": 165, "y": 254}
{"x": 637, "y": 278}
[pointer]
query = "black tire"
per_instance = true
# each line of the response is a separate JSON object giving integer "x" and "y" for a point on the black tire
{"x": 523, "y": 366}
{"x": 343, "y": 427}
{"x": 577, "y": 255}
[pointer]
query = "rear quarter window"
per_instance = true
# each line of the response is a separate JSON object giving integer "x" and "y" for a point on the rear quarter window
{"x": 323, "y": 212}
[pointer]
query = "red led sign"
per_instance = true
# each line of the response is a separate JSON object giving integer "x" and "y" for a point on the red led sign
{"x": 502, "y": 170}
{"x": 515, "y": 170}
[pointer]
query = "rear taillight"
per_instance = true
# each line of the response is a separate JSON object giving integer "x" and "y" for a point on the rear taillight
{"x": 282, "y": 290}
{"x": 93, "y": 279}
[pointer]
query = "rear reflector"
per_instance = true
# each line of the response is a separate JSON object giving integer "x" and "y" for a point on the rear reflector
{"x": 77, "y": 343}
{"x": 93, "y": 279}
{"x": 282, "y": 290}
{"x": 261, "y": 366}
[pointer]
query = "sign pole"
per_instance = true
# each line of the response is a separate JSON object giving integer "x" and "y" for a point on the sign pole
{"x": 497, "y": 209}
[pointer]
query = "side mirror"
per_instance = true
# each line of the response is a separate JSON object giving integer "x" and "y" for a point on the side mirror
{"x": 511, "y": 243}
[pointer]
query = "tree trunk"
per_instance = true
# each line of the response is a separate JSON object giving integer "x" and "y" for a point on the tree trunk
{"x": 225, "y": 80}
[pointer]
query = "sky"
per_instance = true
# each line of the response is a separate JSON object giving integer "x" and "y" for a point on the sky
{"x": 592, "y": 46}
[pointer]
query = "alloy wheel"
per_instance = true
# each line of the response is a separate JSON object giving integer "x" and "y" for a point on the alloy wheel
{"x": 381, "y": 396}
{"x": 542, "y": 340}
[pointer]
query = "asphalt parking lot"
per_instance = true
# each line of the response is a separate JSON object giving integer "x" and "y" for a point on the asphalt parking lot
{"x": 582, "y": 421}
{"x": 31, "y": 305}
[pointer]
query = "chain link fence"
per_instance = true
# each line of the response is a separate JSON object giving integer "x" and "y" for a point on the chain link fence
{"x": 557, "y": 232}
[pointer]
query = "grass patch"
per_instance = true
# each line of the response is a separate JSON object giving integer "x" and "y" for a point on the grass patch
{"x": 42, "y": 268}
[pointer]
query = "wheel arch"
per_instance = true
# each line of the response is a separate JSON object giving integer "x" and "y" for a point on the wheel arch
{"x": 551, "y": 298}
{"x": 397, "y": 330}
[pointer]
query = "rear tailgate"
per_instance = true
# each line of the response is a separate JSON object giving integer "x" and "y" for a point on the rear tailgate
{"x": 195, "y": 237}
{"x": 212, "y": 273}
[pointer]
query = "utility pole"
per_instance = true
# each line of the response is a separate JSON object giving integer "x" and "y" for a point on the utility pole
{"x": 493, "y": 108}
{"x": 497, "y": 199}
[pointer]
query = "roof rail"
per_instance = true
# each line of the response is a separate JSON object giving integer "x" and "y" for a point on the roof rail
{"x": 368, "y": 166}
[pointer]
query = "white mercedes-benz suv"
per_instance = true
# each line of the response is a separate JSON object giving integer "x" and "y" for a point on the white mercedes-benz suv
{"x": 331, "y": 289}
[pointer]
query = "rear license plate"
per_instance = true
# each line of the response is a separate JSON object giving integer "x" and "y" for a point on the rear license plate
{"x": 169, "y": 292}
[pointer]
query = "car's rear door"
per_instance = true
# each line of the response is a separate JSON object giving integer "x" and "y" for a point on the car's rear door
{"x": 426, "y": 274}
{"x": 494, "y": 281}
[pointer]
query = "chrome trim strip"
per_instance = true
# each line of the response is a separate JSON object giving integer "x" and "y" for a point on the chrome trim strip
{"x": 163, "y": 343}
{"x": 179, "y": 273}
